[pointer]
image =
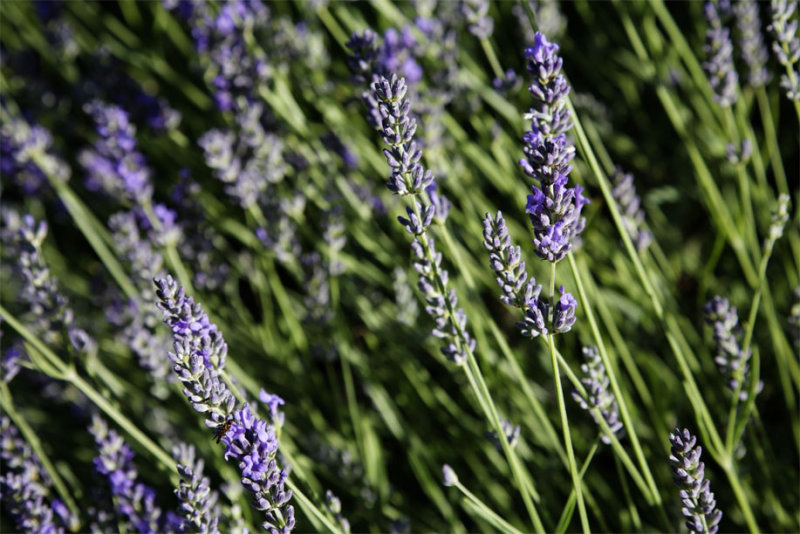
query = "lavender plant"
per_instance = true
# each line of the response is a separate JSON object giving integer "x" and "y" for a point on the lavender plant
{"x": 786, "y": 45}
{"x": 597, "y": 393}
{"x": 26, "y": 489}
{"x": 719, "y": 58}
{"x": 699, "y": 506}
{"x": 199, "y": 363}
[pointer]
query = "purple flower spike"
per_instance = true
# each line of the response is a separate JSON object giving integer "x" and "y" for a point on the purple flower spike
{"x": 26, "y": 487}
{"x": 699, "y": 506}
{"x": 554, "y": 209}
{"x": 252, "y": 443}
{"x": 134, "y": 500}
{"x": 598, "y": 394}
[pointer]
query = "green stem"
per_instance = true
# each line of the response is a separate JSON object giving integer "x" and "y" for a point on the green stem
{"x": 741, "y": 498}
{"x": 487, "y": 512}
{"x": 492, "y": 57}
{"x": 566, "y": 514}
{"x": 312, "y": 511}
{"x": 562, "y": 408}
{"x": 71, "y": 376}
{"x": 623, "y": 407}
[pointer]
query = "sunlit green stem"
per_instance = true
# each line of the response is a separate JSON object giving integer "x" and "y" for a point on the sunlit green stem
{"x": 562, "y": 408}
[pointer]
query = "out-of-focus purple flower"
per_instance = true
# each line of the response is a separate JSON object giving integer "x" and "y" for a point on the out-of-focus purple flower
{"x": 510, "y": 434}
{"x": 751, "y": 42}
{"x": 736, "y": 155}
{"x": 134, "y": 500}
{"x": 699, "y": 506}
{"x": 26, "y": 154}
{"x": 719, "y": 63}
{"x": 624, "y": 192}
{"x": 252, "y": 443}
{"x": 554, "y": 209}
{"x": 140, "y": 319}
{"x": 198, "y": 502}
{"x": 26, "y": 488}
{"x": 113, "y": 164}
{"x": 509, "y": 83}
{"x": 731, "y": 359}
{"x": 52, "y": 317}
{"x": 273, "y": 403}
{"x": 598, "y": 395}
{"x": 480, "y": 24}
{"x": 786, "y": 44}
{"x": 449, "y": 476}
{"x": 334, "y": 506}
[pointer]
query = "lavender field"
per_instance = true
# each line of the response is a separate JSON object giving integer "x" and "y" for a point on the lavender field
{"x": 442, "y": 266}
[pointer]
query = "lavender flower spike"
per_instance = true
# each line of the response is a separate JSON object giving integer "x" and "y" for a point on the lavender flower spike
{"x": 199, "y": 360}
{"x": 786, "y": 45}
{"x": 198, "y": 501}
{"x": 699, "y": 506}
{"x": 624, "y": 193}
{"x": 541, "y": 317}
{"x": 409, "y": 177}
{"x": 252, "y": 443}
{"x": 134, "y": 500}
{"x": 751, "y": 42}
{"x": 598, "y": 394}
{"x": 200, "y": 352}
{"x": 719, "y": 64}
{"x": 554, "y": 209}
{"x": 731, "y": 360}
{"x": 26, "y": 488}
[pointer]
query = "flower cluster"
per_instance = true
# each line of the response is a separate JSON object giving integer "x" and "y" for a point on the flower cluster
{"x": 751, "y": 42}
{"x": 200, "y": 351}
{"x": 134, "y": 500}
{"x": 624, "y": 193}
{"x": 51, "y": 313}
{"x": 199, "y": 361}
{"x": 510, "y": 434}
{"x": 479, "y": 22}
{"x": 541, "y": 316}
{"x": 113, "y": 164}
{"x": 198, "y": 502}
{"x": 598, "y": 396}
{"x": 699, "y": 506}
{"x": 140, "y": 319}
{"x": 554, "y": 209}
{"x": 26, "y": 488}
{"x": 25, "y": 154}
{"x": 719, "y": 63}
{"x": 409, "y": 177}
{"x": 730, "y": 358}
{"x": 334, "y": 506}
{"x": 252, "y": 443}
{"x": 786, "y": 45}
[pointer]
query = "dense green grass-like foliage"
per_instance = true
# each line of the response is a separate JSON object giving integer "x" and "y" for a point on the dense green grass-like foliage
{"x": 237, "y": 156}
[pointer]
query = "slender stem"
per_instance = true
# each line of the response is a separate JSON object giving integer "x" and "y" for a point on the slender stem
{"x": 623, "y": 407}
{"x": 576, "y": 480}
{"x": 312, "y": 511}
{"x": 489, "y": 514}
{"x": 492, "y": 57}
{"x": 71, "y": 376}
{"x": 562, "y": 408}
{"x": 772, "y": 140}
{"x": 566, "y": 514}
{"x": 741, "y": 498}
